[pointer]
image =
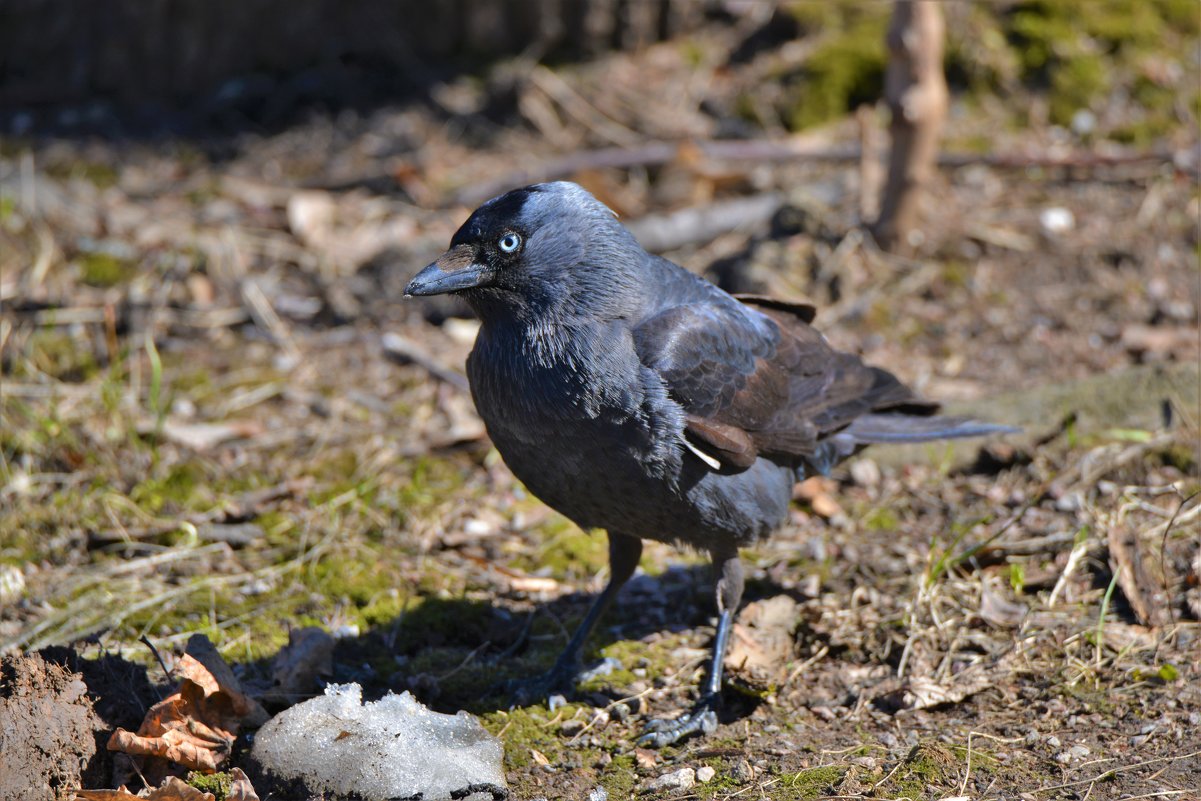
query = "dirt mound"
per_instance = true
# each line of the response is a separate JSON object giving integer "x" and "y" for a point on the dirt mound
{"x": 48, "y": 737}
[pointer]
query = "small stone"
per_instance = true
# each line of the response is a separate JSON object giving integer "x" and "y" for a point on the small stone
{"x": 1053, "y": 742}
{"x": 1078, "y": 751}
{"x": 598, "y": 794}
{"x": 346, "y": 631}
{"x": 620, "y": 712}
{"x": 571, "y": 728}
{"x": 824, "y": 712}
{"x": 1056, "y": 220}
{"x": 682, "y": 779}
{"x": 1084, "y": 122}
{"x": 743, "y": 772}
{"x": 865, "y": 472}
{"x": 705, "y": 774}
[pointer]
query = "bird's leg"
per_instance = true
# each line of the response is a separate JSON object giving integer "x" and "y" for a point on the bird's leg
{"x": 624, "y": 553}
{"x": 702, "y": 718}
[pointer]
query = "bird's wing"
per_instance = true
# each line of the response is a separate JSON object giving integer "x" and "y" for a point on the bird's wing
{"x": 760, "y": 380}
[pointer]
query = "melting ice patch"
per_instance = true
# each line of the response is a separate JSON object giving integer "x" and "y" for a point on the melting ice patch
{"x": 392, "y": 748}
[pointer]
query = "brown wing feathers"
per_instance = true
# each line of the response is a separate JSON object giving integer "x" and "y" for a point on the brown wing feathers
{"x": 799, "y": 394}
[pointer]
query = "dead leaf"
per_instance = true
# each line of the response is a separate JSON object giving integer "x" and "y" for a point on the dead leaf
{"x": 646, "y": 758}
{"x": 299, "y": 665}
{"x": 818, "y": 492}
{"x": 240, "y": 789}
{"x": 202, "y": 436}
{"x": 998, "y": 610}
{"x": 762, "y": 642}
{"x": 539, "y": 757}
{"x": 311, "y": 215}
{"x": 172, "y": 789}
{"x": 923, "y": 692}
{"x": 196, "y": 726}
{"x": 1126, "y": 561}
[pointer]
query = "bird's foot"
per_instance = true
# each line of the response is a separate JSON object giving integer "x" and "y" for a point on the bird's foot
{"x": 551, "y": 686}
{"x": 701, "y": 719}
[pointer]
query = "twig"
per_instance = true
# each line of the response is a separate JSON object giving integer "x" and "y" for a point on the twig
{"x": 1074, "y": 558}
{"x": 146, "y": 641}
{"x": 699, "y": 224}
{"x": 1115, "y": 771}
{"x": 406, "y": 350}
{"x": 794, "y": 149}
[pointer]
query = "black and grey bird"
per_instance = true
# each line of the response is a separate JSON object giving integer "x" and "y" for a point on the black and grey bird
{"x": 634, "y": 396}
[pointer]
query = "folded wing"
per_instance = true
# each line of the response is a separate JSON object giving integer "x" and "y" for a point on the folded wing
{"x": 756, "y": 379}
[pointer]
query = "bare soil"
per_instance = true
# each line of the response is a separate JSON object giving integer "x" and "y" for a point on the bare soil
{"x": 48, "y": 730}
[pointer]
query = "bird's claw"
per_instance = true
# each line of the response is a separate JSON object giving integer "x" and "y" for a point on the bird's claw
{"x": 702, "y": 719}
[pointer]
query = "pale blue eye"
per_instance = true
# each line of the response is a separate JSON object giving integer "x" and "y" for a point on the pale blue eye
{"x": 509, "y": 243}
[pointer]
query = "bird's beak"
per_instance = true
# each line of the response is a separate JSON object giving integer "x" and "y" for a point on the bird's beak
{"x": 454, "y": 271}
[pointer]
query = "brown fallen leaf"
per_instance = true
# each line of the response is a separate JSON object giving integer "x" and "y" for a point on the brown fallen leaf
{"x": 195, "y": 727}
{"x": 172, "y": 789}
{"x": 646, "y": 758}
{"x": 998, "y": 610}
{"x": 240, "y": 789}
{"x": 299, "y": 665}
{"x": 762, "y": 643}
{"x": 202, "y": 436}
{"x": 818, "y": 492}
{"x": 925, "y": 692}
{"x": 1134, "y": 579}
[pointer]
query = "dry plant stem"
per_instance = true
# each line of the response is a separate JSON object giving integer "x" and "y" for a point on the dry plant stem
{"x": 916, "y": 92}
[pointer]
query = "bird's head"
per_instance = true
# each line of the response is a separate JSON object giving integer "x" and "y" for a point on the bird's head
{"x": 545, "y": 249}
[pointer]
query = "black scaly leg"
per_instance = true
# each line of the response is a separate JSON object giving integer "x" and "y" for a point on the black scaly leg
{"x": 702, "y": 718}
{"x": 624, "y": 553}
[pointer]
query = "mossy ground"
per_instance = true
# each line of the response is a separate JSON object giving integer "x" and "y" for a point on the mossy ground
{"x": 372, "y": 506}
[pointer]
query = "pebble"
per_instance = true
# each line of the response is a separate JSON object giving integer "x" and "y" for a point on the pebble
{"x": 1056, "y": 220}
{"x": 598, "y": 794}
{"x": 705, "y": 774}
{"x": 682, "y": 779}
{"x": 571, "y": 728}
{"x": 1076, "y": 752}
{"x": 1053, "y": 741}
{"x": 865, "y": 472}
{"x": 743, "y": 772}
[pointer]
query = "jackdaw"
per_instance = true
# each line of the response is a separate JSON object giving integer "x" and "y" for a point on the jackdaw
{"x": 634, "y": 396}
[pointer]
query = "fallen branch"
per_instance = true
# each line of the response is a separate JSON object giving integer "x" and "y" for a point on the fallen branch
{"x": 810, "y": 148}
{"x": 699, "y": 224}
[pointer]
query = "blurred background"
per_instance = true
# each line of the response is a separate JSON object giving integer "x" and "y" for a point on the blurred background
{"x": 217, "y": 414}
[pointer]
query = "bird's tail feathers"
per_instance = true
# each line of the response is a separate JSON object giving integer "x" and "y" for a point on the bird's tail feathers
{"x": 900, "y": 428}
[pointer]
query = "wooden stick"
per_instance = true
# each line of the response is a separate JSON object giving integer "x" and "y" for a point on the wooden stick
{"x": 795, "y": 149}
{"x": 916, "y": 92}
